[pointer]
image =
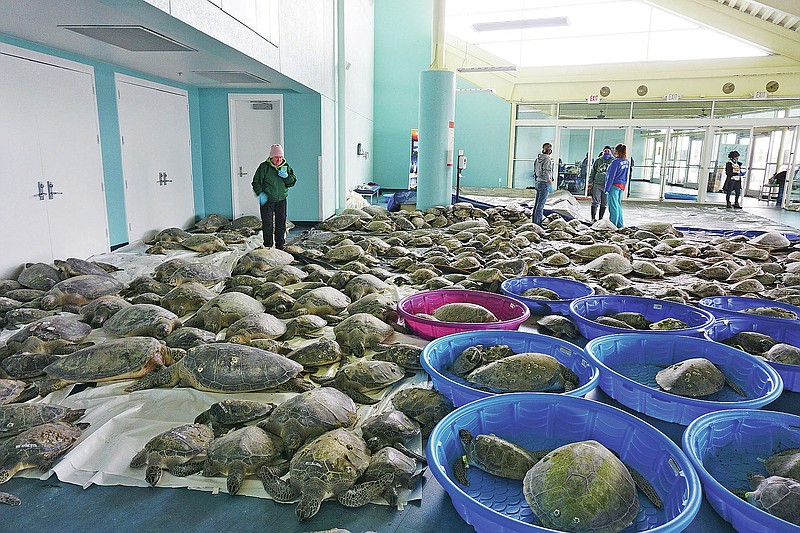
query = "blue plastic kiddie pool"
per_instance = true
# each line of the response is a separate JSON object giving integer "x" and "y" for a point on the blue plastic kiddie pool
{"x": 567, "y": 290}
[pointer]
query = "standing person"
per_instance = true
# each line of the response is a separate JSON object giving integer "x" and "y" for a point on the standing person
{"x": 616, "y": 181}
{"x": 271, "y": 184}
{"x": 779, "y": 179}
{"x": 543, "y": 170}
{"x": 733, "y": 180}
{"x": 597, "y": 179}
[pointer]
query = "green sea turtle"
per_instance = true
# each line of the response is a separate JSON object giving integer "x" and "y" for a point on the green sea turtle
{"x": 319, "y": 353}
{"x": 783, "y": 353}
{"x": 779, "y": 496}
{"x": 211, "y": 223}
{"x": 361, "y": 331}
{"x": 464, "y": 312}
{"x": 26, "y": 365}
{"x": 776, "y": 312}
{"x": 355, "y": 379}
{"x": 390, "y": 428}
{"x": 14, "y": 390}
{"x": 39, "y": 276}
{"x": 169, "y": 235}
{"x": 668, "y": 323}
{"x": 540, "y": 293}
{"x": 426, "y": 406}
{"x": 635, "y": 320}
{"x": 308, "y": 326}
{"x": 329, "y": 465}
{"x": 79, "y": 291}
{"x": 751, "y": 342}
{"x": 535, "y": 372}
{"x": 695, "y": 378}
{"x": 405, "y": 471}
{"x": 172, "y": 450}
{"x": 240, "y": 453}
{"x": 16, "y": 418}
{"x": 613, "y": 322}
{"x": 226, "y": 414}
{"x": 257, "y": 262}
{"x": 362, "y": 285}
{"x": 255, "y": 326}
{"x": 559, "y": 326}
{"x": 101, "y": 309}
{"x": 224, "y": 367}
{"x": 326, "y": 302}
{"x": 223, "y": 310}
{"x": 207, "y": 274}
{"x": 142, "y": 319}
{"x": 785, "y": 463}
{"x": 187, "y": 298}
{"x": 308, "y": 415}
{"x": 403, "y": 354}
{"x": 57, "y": 334}
{"x": 494, "y": 455}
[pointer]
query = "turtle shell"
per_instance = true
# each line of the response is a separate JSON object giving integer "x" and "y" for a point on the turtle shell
{"x": 388, "y": 428}
{"x": 304, "y": 325}
{"x": 426, "y": 406}
{"x": 38, "y": 446}
{"x": 779, "y": 496}
{"x": 612, "y": 263}
{"x": 225, "y": 309}
{"x": 187, "y": 337}
{"x": 142, "y": 319}
{"x": 785, "y": 463}
{"x": 535, "y": 372}
{"x": 101, "y": 309}
{"x": 125, "y": 358}
{"x": 206, "y": 274}
{"x": 582, "y": 487}
{"x": 172, "y": 448}
{"x": 52, "y": 328}
{"x": 15, "y": 419}
{"x": 361, "y": 331}
{"x": 255, "y": 326}
{"x": 362, "y": 285}
{"x": 39, "y": 276}
{"x": 499, "y": 457}
{"x": 783, "y": 353}
{"x": 463, "y": 312}
{"x": 187, "y": 298}
{"x": 212, "y": 223}
{"x": 239, "y": 453}
{"x": 80, "y": 290}
{"x": 692, "y": 378}
{"x": 320, "y": 353}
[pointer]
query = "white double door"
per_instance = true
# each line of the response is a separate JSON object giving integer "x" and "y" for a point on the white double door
{"x": 156, "y": 156}
{"x": 51, "y": 173}
{"x": 256, "y": 122}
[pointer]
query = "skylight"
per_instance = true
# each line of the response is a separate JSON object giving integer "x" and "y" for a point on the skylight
{"x": 596, "y": 32}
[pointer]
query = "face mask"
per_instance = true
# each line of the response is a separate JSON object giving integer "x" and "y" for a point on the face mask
{"x": 606, "y": 156}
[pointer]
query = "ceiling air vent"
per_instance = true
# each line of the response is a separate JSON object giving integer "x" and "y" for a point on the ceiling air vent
{"x": 261, "y": 106}
{"x": 132, "y": 38}
{"x": 231, "y": 76}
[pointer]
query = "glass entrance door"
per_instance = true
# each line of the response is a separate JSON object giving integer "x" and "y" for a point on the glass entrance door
{"x": 682, "y": 164}
{"x": 600, "y": 138}
{"x": 647, "y": 154}
{"x": 573, "y": 159}
{"x": 772, "y": 150}
{"x": 725, "y": 141}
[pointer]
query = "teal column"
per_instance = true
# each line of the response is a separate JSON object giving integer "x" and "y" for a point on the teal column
{"x": 437, "y": 109}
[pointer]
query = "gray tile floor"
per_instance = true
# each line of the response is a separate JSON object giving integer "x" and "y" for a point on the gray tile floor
{"x": 51, "y": 505}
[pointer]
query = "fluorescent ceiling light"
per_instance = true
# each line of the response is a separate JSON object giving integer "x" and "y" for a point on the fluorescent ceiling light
{"x": 231, "y": 76}
{"x": 133, "y": 38}
{"x": 521, "y": 24}
{"x": 489, "y": 68}
{"x": 478, "y": 90}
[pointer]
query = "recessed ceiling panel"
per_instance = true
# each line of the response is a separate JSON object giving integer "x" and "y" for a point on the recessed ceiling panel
{"x": 231, "y": 76}
{"x": 132, "y": 38}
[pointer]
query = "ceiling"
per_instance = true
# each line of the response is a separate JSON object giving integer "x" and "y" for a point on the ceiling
{"x": 43, "y": 21}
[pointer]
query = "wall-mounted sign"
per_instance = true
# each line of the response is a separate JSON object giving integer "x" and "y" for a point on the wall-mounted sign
{"x": 760, "y": 95}
{"x": 412, "y": 171}
{"x": 593, "y": 99}
{"x": 673, "y": 96}
{"x": 451, "y": 142}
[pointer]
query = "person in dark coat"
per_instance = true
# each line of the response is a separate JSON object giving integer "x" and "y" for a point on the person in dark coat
{"x": 779, "y": 179}
{"x": 733, "y": 180}
{"x": 597, "y": 180}
{"x": 271, "y": 184}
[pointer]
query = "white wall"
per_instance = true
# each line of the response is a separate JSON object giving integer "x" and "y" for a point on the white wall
{"x": 359, "y": 98}
{"x": 328, "y": 189}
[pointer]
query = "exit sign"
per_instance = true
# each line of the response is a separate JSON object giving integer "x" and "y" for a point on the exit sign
{"x": 593, "y": 99}
{"x": 760, "y": 95}
{"x": 673, "y": 96}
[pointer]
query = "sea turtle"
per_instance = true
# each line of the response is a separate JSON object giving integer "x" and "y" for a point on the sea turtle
{"x": 79, "y": 291}
{"x": 39, "y": 276}
{"x": 493, "y": 455}
{"x": 169, "y": 235}
{"x": 635, "y": 320}
{"x": 358, "y": 332}
{"x": 14, "y": 390}
{"x": 559, "y": 326}
{"x": 355, "y": 379}
{"x": 224, "y": 367}
{"x": 329, "y": 465}
{"x": 319, "y": 353}
{"x": 779, "y": 496}
{"x": 223, "y": 310}
{"x": 226, "y": 414}
{"x": 40, "y": 446}
{"x": 646, "y": 269}
{"x": 771, "y": 240}
{"x": 278, "y": 302}
{"x": 613, "y": 322}
{"x": 362, "y": 285}
{"x": 611, "y": 263}
{"x": 341, "y": 222}
{"x": 187, "y": 298}
{"x": 463, "y": 312}
{"x": 344, "y": 253}
{"x": 206, "y": 274}
{"x": 535, "y": 372}
{"x": 695, "y": 378}
{"x": 165, "y": 270}
{"x": 126, "y": 358}
{"x": 211, "y": 223}
{"x": 426, "y": 406}
{"x": 403, "y": 354}
{"x": 582, "y": 486}
{"x": 307, "y": 326}
{"x": 56, "y": 334}
{"x": 255, "y": 326}
{"x": 751, "y": 342}
{"x": 256, "y": 262}
{"x": 244, "y": 223}
{"x": 783, "y": 353}
{"x": 26, "y": 365}
{"x": 540, "y": 293}
{"x": 308, "y": 415}
{"x": 323, "y": 301}
{"x": 101, "y": 309}
{"x": 144, "y": 285}
{"x": 405, "y": 471}
{"x": 186, "y": 337}
{"x": 172, "y": 450}
{"x": 240, "y": 453}
{"x": 142, "y": 319}
{"x": 16, "y": 418}
{"x": 668, "y": 324}
{"x": 390, "y": 428}
{"x": 785, "y": 463}
{"x": 776, "y": 312}
{"x": 25, "y": 315}
{"x": 285, "y": 275}
{"x": 593, "y": 251}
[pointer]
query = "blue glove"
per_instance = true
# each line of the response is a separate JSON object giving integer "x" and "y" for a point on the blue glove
{"x": 283, "y": 173}
{"x": 262, "y": 198}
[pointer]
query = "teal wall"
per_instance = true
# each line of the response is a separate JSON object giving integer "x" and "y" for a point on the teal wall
{"x": 109, "y": 133}
{"x": 403, "y": 38}
{"x": 302, "y": 120}
{"x": 483, "y": 131}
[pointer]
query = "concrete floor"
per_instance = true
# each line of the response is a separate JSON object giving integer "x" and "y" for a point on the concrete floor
{"x": 51, "y": 505}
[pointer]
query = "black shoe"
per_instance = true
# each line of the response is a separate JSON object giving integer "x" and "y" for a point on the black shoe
{"x": 728, "y": 206}
{"x": 279, "y": 246}
{"x": 737, "y": 206}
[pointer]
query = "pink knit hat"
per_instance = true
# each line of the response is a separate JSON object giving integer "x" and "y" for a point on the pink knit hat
{"x": 276, "y": 150}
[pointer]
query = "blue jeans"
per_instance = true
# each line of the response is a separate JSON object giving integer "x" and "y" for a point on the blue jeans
{"x": 615, "y": 206}
{"x": 542, "y": 190}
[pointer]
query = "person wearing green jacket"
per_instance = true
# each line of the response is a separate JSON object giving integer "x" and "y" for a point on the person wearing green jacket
{"x": 271, "y": 184}
{"x": 597, "y": 179}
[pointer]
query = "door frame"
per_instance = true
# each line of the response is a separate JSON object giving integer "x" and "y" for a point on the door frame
{"x": 232, "y": 99}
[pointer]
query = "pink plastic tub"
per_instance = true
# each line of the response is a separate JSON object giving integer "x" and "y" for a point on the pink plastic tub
{"x": 511, "y": 312}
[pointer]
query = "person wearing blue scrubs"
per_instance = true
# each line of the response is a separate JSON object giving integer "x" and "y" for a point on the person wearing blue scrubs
{"x": 616, "y": 181}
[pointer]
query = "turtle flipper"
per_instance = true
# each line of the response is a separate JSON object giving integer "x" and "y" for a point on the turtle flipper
{"x": 280, "y": 469}
{"x": 280, "y": 490}
{"x": 187, "y": 469}
{"x": 236, "y": 474}
{"x": 571, "y": 379}
{"x": 363, "y": 493}
{"x": 46, "y": 386}
{"x": 360, "y": 397}
{"x": 736, "y": 388}
{"x": 153, "y": 474}
{"x": 411, "y": 453}
{"x": 308, "y": 505}
{"x": 647, "y": 489}
{"x": 9, "y": 499}
{"x": 166, "y": 377}
{"x": 460, "y": 470}
{"x": 391, "y": 496}
{"x": 296, "y": 385}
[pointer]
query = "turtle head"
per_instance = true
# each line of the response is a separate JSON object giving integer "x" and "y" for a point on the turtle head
{"x": 163, "y": 327}
{"x": 465, "y": 437}
{"x": 49, "y": 301}
{"x": 291, "y": 444}
{"x": 170, "y": 356}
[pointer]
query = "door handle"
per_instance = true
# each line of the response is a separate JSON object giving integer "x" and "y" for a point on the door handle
{"x": 242, "y": 174}
{"x": 50, "y": 191}
{"x": 41, "y": 191}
